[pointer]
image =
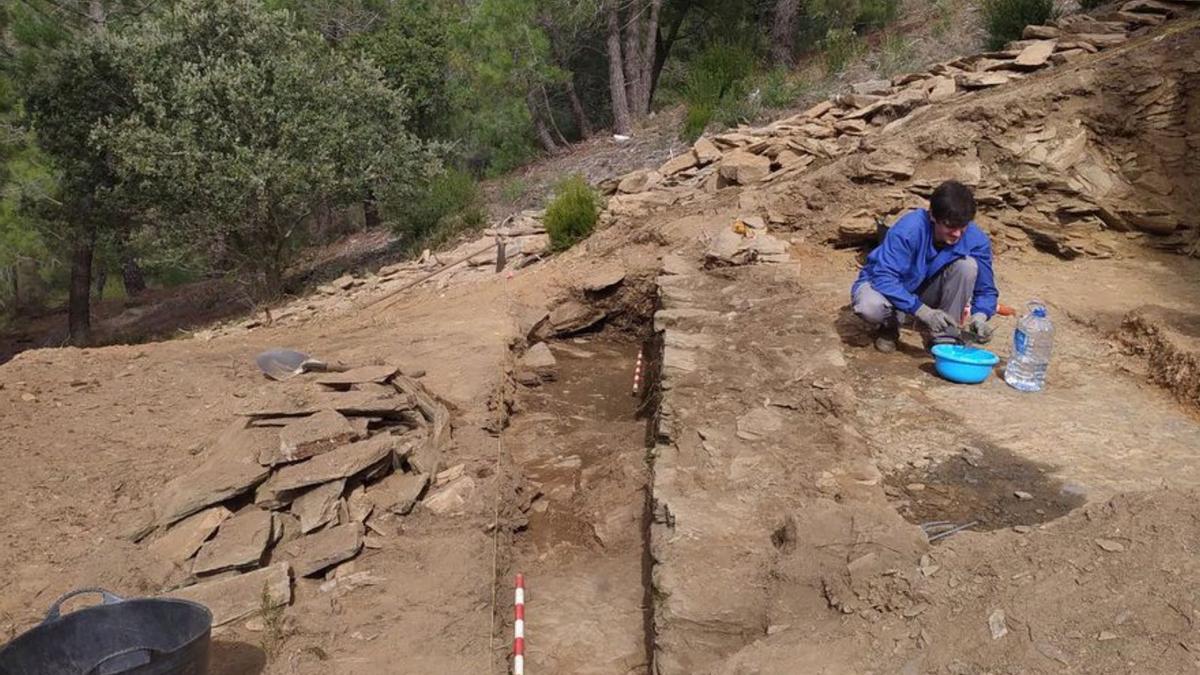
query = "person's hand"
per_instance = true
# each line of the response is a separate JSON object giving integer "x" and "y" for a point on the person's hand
{"x": 981, "y": 328}
{"x": 939, "y": 322}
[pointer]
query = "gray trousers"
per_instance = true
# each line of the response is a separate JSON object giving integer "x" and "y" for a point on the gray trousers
{"x": 949, "y": 291}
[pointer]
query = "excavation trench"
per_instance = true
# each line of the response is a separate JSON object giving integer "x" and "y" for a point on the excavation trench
{"x": 579, "y": 440}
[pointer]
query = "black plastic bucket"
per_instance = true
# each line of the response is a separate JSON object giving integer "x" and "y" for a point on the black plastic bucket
{"x": 143, "y": 636}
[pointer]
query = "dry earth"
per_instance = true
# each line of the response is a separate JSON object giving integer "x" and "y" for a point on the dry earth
{"x": 757, "y": 506}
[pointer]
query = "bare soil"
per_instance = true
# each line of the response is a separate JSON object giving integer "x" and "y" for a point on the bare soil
{"x": 774, "y": 524}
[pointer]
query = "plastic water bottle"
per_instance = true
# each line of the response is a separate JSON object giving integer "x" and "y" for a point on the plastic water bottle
{"x": 1032, "y": 342}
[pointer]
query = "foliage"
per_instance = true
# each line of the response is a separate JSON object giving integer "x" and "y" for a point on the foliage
{"x": 852, "y": 14}
{"x": 572, "y": 214}
{"x": 452, "y": 202}
{"x": 895, "y": 55}
{"x": 696, "y": 120}
{"x": 1007, "y": 19}
{"x": 842, "y": 45}
{"x": 242, "y": 126}
{"x": 779, "y": 88}
{"x": 412, "y": 48}
{"x": 513, "y": 190}
{"x": 716, "y": 85}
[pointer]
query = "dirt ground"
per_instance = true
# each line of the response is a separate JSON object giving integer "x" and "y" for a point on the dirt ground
{"x": 758, "y": 509}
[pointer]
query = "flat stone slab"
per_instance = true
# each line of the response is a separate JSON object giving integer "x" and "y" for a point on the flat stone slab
{"x": 316, "y": 552}
{"x": 319, "y": 505}
{"x": 367, "y": 399}
{"x": 759, "y": 424}
{"x": 343, "y": 462}
{"x": 240, "y": 542}
{"x": 981, "y": 80}
{"x": 572, "y": 316}
{"x": 376, "y": 400}
{"x": 1035, "y": 55}
{"x": 453, "y": 499}
{"x": 240, "y": 596}
{"x": 315, "y": 435}
{"x": 397, "y": 493}
{"x": 602, "y": 279}
{"x": 375, "y": 374}
{"x": 230, "y": 468}
{"x": 539, "y": 358}
{"x": 358, "y": 506}
{"x": 188, "y": 535}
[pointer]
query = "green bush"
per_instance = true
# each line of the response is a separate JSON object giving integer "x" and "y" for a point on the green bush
{"x": 572, "y": 214}
{"x": 877, "y": 13}
{"x": 733, "y": 111}
{"x": 513, "y": 190}
{"x": 697, "y": 119}
{"x": 841, "y": 46}
{"x": 1007, "y": 19}
{"x": 896, "y": 55}
{"x": 716, "y": 85}
{"x": 779, "y": 89}
{"x": 451, "y": 203}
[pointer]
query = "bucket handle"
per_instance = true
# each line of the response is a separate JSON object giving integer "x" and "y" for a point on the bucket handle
{"x": 106, "y": 598}
{"x": 126, "y": 659}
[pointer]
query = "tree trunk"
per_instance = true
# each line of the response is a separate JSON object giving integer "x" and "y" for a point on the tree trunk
{"x": 132, "y": 276}
{"x": 101, "y": 280}
{"x": 631, "y": 55}
{"x": 622, "y": 124}
{"x": 549, "y": 111}
{"x": 649, "y": 52}
{"x": 539, "y": 123}
{"x": 16, "y": 289}
{"x": 79, "y": 314}
{"x": 783, "y": 29}
{"x": 371, "y": 217}
{"x": 663, "y": 47}
{"x": 581, "y": 119}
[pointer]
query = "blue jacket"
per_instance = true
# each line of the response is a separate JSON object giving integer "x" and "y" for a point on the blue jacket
{"x": 907, "y": 259}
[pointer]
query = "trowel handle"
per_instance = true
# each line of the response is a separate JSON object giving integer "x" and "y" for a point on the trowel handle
{"x": 315, "y": 366}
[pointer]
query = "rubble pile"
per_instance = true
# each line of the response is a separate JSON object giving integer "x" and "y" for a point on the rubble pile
{"x": 301, "y": 482}
{"x": 1079, "y": 181}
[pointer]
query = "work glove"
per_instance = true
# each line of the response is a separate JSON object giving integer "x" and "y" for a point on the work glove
{"x": 980, "y": 328}
{"x": 939, "y": 322}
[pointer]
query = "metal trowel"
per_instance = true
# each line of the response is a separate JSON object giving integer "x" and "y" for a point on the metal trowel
{"x": 284, "y": 364}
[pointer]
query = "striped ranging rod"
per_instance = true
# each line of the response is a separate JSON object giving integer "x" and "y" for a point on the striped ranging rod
{"x": 637, "y": 375}
{"x": 519, "y": 627}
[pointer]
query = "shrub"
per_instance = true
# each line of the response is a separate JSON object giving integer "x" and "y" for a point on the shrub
{"x": 451, "y": 203}
{"x": 716, "y": 82}
{"x": 779, "y": 89}
{"x": 876, "y": 13}
{"x": 734, "y": 110}
{"x": 513, "y": 190}
{"x": 841, "y": 46}
{"x": 572, "y": 214}
{"x": 1006, "y": 19}
{"x": 895, "y": 55}
{"x": 697, "y": 119}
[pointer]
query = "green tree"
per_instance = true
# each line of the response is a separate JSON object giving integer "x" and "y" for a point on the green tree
{"x": 241, "y": 126}
{"x": 78, "y": 90}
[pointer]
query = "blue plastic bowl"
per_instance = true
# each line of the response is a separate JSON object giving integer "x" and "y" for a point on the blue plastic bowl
{"x": 965, "y": 365}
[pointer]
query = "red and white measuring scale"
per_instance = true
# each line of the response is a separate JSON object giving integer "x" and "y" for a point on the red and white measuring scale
{"x": 519, "y": 627}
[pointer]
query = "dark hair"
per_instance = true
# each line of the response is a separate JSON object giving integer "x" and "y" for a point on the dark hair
{"x": 952, "y": 204}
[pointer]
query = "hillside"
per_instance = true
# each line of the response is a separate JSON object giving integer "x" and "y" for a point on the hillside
{"x": 676, "y": 430}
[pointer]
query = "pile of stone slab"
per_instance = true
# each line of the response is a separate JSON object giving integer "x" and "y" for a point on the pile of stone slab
{"x": 299, "y": 484}
{"x": 525, "y": 243}
{"x": 837, "y": 127}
